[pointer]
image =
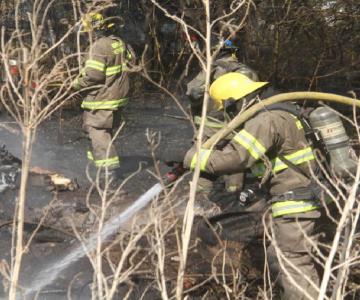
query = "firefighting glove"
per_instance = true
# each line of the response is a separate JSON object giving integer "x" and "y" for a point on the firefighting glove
{"x": 176, "y": 171}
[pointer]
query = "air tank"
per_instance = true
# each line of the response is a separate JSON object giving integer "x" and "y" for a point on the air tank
{"x": 329, "y": 126}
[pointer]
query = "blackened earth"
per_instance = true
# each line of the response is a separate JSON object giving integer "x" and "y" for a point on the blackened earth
{"x": 61, "y": 146}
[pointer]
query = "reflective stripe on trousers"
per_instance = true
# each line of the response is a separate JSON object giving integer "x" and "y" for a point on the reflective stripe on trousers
{"x": 293, "y": 207}
{"x": 108, "y": 162}
{"x": 296, "y": 158}
{"x": 104, "y": 104}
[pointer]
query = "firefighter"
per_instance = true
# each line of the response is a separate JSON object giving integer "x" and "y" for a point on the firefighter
{"x": 273, "y": 145}
{"x": 105, "y": 82}
{"x": 225, "y": 62}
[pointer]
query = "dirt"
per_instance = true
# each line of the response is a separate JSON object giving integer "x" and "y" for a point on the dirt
{"x": 60, "y": 146}
{"x": 64, "y": 148}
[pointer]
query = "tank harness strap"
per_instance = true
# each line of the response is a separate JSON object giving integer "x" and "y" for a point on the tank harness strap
{"x": 299, "y": 200}
{"x": 311, "y": 192}
{"x": 293, "y": 166}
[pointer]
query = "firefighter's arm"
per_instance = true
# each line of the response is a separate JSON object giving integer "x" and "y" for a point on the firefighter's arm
{"x": 247, "y": 146}
{"x": 94, "y": 70}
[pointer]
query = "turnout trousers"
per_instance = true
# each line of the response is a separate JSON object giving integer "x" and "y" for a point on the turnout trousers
{"x": 99, "y": 125}
{"x": 296, "y": 264}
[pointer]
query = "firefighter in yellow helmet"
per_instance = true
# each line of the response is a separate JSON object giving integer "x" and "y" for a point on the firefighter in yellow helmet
{"x": 105, "y": 82}
{"x": 225, "y": 62}
{"x": 273, "y": 146}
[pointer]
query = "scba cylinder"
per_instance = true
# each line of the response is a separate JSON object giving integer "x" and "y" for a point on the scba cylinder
{"x": 329, "y": 126}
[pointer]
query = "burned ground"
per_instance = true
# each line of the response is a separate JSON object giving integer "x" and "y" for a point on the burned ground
{"x": 236, "y": 258}
{"x": 61, "y": 147}
{"x": 64, "y": 151}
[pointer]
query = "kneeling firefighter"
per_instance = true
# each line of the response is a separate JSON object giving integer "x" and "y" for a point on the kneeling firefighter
{"x": 105, "y": 82}
{"x": 274, "y": 145}
{"x": 225, "y": 62}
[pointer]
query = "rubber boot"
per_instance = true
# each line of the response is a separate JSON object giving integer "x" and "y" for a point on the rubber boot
{"x": 111, "y": 180}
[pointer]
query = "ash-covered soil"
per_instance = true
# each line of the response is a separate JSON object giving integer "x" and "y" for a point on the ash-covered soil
{"x": 61, "y": 146}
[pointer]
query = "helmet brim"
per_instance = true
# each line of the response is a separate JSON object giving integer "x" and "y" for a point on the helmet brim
{"x": 249, "y": 89}
{"x": 239, "y": 93}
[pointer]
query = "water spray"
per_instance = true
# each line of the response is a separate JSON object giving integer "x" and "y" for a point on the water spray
{"x": 54, "y": 269}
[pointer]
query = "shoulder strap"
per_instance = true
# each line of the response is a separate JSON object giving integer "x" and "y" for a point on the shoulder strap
{"x": 310, "y": 135}
{"x": 294, "y": 110}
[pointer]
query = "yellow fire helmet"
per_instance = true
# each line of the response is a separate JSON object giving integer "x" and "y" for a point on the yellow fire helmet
{"x": 95, "y": 21}
{"x": 232, "y": 86}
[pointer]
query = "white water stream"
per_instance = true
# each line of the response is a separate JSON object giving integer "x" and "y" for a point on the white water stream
{"x": 54, "y": 269}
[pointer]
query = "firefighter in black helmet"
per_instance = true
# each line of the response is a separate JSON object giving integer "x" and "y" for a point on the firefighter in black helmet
{"x": 105, "y": 82}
